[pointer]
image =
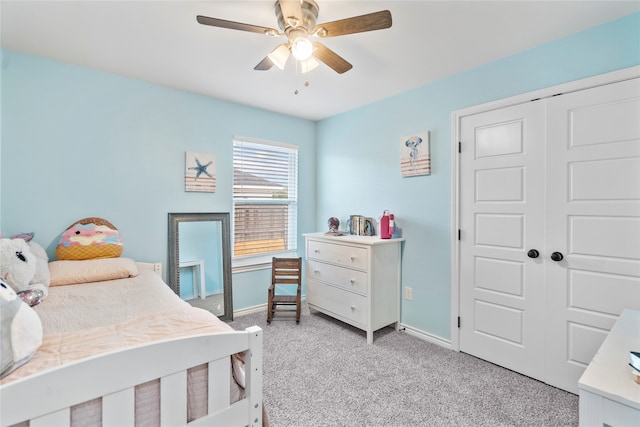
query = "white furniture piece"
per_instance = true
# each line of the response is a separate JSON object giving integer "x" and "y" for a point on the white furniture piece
{"x": 196, "y": 264}
{"x": 609, "y": 395}
{"x": 109, "y": 380}
{"x": 355, "y": 279}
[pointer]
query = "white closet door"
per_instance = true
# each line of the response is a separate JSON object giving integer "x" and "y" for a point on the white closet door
{"x": 501, "y": 218}
{"x": 593, "y": 220}
{"x": 557, "y": 175}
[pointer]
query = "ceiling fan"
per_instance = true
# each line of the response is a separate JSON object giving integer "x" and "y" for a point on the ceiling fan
{"x": 297, "y": 21}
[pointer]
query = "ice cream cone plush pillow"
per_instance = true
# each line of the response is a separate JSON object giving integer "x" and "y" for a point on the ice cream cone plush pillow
{"x": 20, "y": 331}
{"x": 89, "y": 238}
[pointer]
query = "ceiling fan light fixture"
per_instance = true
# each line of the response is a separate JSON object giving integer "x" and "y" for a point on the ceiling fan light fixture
{"x": 308, "y": 65}
{"x": 279, "y": 56}
{"x": 302, "y": 48}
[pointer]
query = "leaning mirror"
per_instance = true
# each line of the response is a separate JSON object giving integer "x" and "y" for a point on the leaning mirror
{"x": 200, "y": 261}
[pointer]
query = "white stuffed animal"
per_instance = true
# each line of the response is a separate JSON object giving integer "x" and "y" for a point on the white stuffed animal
{"x": 24, "y": 266}
{"x": 20, "y": 331}
{"x": 42, "y": 277}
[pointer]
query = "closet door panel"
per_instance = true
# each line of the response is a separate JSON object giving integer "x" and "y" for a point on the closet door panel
{"x": 593, "y": 219}
{"x": 613, "y": 179}
{"x": 586, "y": 293}
{"x": 502, "y": 214}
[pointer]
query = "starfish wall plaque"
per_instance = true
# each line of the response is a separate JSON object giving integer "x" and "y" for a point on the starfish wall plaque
{"x": 200, "y": 172}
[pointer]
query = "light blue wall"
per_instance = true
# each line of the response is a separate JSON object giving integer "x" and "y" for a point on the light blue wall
{"x": 359, "y": 153}
{"x": 79, "y": 143}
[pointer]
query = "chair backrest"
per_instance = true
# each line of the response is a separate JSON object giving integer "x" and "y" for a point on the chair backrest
{"x": 286, "y": 271}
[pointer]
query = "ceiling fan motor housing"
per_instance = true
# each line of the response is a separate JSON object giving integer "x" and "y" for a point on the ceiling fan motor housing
{"x": 309, "y": 17}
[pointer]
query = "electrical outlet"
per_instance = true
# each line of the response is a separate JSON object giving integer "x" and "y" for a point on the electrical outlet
{"x": 408, "y": 293}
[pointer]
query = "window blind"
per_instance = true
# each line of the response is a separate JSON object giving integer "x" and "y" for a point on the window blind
{"x": 265, "y": 196}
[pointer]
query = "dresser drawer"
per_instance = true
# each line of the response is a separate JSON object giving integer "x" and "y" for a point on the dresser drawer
{"x": 346, "y": 278}
{"x": 352, "y": 307}
{"x": 349, "y": 256}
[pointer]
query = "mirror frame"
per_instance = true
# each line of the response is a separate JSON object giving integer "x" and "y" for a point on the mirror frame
{"x": 174, "y": 253}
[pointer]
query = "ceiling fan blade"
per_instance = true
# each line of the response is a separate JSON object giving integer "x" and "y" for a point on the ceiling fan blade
{"x": 215, "y": 22}
{"x": 263, "y": 65}
{"x": 291, "y": 9}
{"x": 332, "y": 59}
{"x": 357, "y": 24}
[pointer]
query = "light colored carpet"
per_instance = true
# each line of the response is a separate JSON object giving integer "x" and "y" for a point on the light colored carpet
{"x": 322, "y": 373}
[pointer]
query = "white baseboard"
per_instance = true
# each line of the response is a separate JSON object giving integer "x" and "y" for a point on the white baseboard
{"x": 259, "y": 308}
{"x": 434, "y": 339}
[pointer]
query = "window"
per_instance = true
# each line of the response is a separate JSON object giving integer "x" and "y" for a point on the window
{"x": 265, "y": 197}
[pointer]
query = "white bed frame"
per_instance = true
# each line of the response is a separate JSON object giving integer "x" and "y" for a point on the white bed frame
{"x": 46, "y": 398}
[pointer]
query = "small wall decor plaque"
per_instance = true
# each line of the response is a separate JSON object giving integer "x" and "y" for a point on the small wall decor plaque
{"x": 416, "y": 157}
{"x": 200, "y": 172}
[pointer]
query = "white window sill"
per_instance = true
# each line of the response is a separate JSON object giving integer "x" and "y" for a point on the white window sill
{"x": 252, "y": 263}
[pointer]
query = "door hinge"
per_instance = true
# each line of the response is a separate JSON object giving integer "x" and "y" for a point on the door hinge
{"x": 459, "y": 234}
{"x": 458, "y": 321}
{"x": 459, "y": 147}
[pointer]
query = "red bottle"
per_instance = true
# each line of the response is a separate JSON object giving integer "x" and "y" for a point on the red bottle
{"x": 384, "y": 225}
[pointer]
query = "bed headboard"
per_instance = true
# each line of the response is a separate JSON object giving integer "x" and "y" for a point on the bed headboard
{"x": 155, "y": 266}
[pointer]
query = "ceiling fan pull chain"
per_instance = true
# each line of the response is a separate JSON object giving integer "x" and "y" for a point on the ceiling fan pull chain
{"x": 297, "y": 75}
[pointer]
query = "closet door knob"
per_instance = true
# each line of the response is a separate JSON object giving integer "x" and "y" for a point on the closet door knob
{"x": 557, "y": 256}
{"x": 533, "y": 253}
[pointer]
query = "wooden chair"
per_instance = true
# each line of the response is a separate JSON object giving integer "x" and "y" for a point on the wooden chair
{"x": 285, "y": 271}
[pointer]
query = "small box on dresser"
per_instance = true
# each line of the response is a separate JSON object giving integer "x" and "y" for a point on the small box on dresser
{"x": 355, "y": 279}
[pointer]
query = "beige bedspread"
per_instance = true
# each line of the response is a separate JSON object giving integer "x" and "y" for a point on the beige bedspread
{"x": 78, "y": 321}
{"x": 90, "y": 305}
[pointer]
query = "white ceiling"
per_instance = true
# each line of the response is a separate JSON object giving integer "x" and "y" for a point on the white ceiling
{"x": 161, "y": 42}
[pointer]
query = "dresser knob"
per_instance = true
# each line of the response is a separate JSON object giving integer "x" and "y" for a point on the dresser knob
{"x": 352, "y": 281}
{"x": 353, "y": 308}
{"x": 352, "y": 258}
{"x": 316, "y": 271}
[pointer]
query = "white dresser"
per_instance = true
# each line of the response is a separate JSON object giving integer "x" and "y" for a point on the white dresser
{"x": 355, "y": 279}
{"x": 609, "y": 395}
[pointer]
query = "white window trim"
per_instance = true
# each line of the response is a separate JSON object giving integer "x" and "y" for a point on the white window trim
{"x": 258, "y": 262}
{"x": 265, "y": 142}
